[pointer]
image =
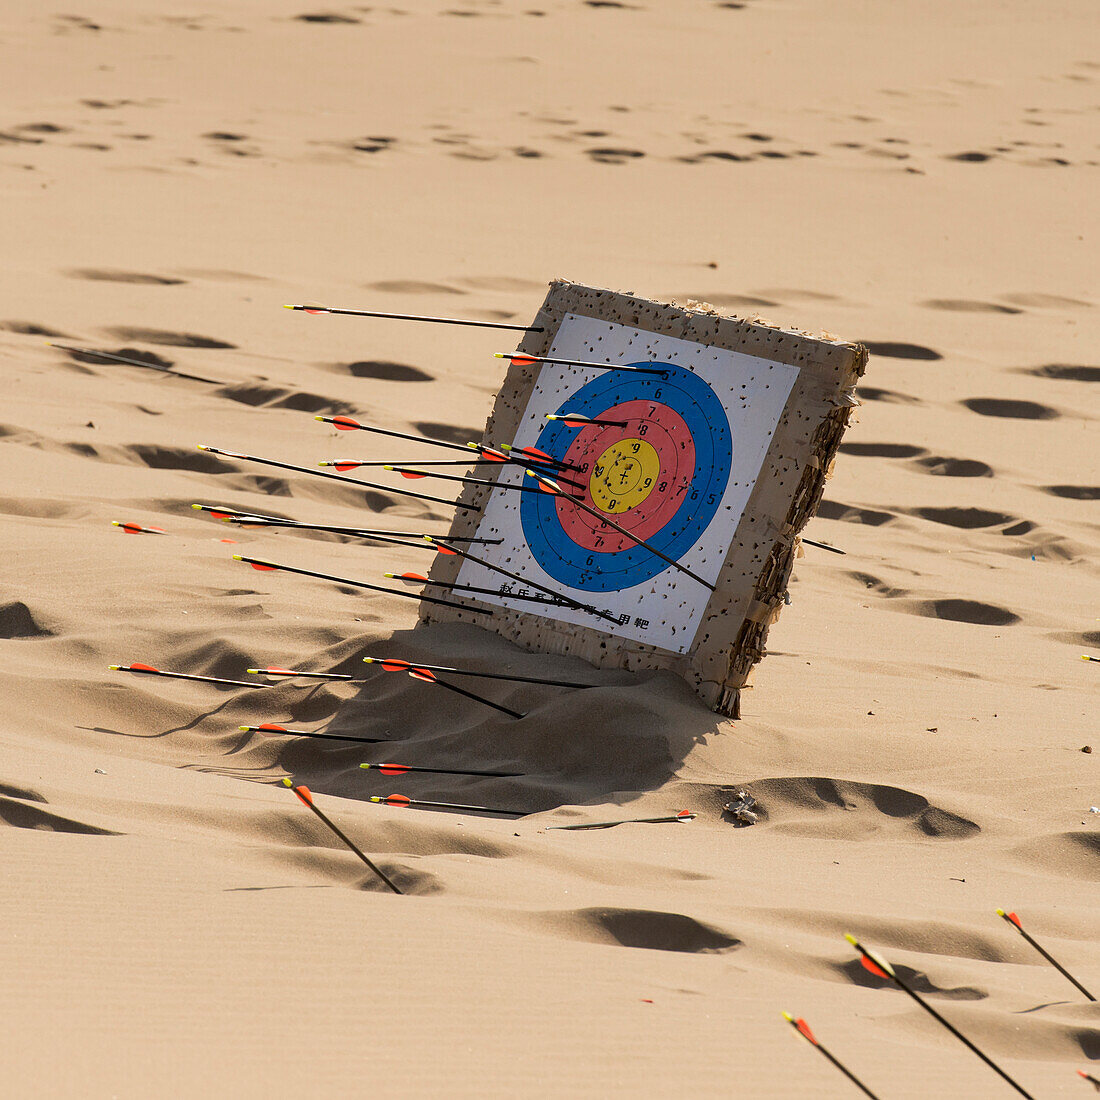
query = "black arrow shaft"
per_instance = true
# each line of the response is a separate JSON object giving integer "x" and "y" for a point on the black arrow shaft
{"x": 415, "y": 317}
{"x": 960, "y": 1036}
{"x": 490, "y": 676}
{"x": 634, "y": 538}
{"x": 522, "y": 580}
{"x": 136, "y": 363}
{"x": 468, "y": 694}
{"x": 519, "y": 358}
{"x": 455, "y": 587}
{"x": 332, "y": 737}
{"x": 396, "y": 768}
{"x": 847, "y": 1073}
{"x": 358, "y": 584}
{"x": 1056, "y": 964}
{"x": 190, "y": 676}
{"x": 353, "y": 847}
{"x": 337, "y": 477}
{"x": 474, "y": 809}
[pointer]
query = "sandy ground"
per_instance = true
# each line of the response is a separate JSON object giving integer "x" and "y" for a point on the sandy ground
{"x": 919, "y": 176}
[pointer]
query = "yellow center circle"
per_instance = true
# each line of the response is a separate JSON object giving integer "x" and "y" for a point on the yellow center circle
{"x": 624, "y": 475}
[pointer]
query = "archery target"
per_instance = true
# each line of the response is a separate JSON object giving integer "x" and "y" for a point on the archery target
{"x": 667, "y": 459}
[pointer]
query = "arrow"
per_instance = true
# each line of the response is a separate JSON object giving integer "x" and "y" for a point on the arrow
{"x": 516, "y": 577}
{"x": 401, "y": 769}
{"x": 306, "y": 796}
{"x": 347, "y": 424}
{"x": 1014, "y": 920}
{"x": 244, "y": 519}
{"x": 224, "y": 512}
{"x": 333, "y": 477}
{"x": 345, "y": 464}
{"x": 149, "y": 670}
{"x": 540, "y": 457}
{"x": 402, "y": 800}
{"x": 575, "y": 420}
{"x": 404, "y": 471}
{"x": 284, "y": 672}
{"x": 553, "y": 487}
{"x": 137, "y": 529}
{"x": 528, "y": 462}
{"x": 418, "y": 672}
{"x": 413, "y": 317}
{"x": 110, "y": 356}
{"x": 271, "y": 727}
{"x": 1094, "y": 1081}
{"x": 1086, "y": 657}
{"x": 518, "y": 360}
{"x": 391, "y": 664}
{"x": 882, "y": 969}
{"x": 270, "y": 566}
{"x": 823, "y": 546}
{"x": 683, "y": 815}
{"x": 803, "y": 1029}
{"x": 454, "y": 586}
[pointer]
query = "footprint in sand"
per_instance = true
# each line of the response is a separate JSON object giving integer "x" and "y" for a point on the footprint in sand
{"x": 849, "y": 513}
{"x": 1066, "y": 372}
{"x": 966, "y": 305}
{"x": 915, "y": 979}
{"x": 895, "y": 350}
{"x": 649, "y": 929}
{"x": 889, "y": 397}
{"x": 1074, "y": 492}
{"x": 968, "y": 519}
{"x": 24, "y": 816}
{"x": 447, "y": 432}
{"x": 28, "y": 328}
{"x": 1010, "y": 409}
{"x": 276, "y": 397}
{"x": 965, "y": 611}
{"x": 172, "y": 339}
{"x": 614, "y": 156}
{"x": 325, "y": 17}
{"x": 18, "y": 621}
{"x": 385, "y": 371}
{"x": 105, "y": 275}
{"x": 882, "y": 450}
{"x": 412, "y": 286}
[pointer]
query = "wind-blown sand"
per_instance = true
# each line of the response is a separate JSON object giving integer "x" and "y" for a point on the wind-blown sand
{"x": 919, "y": 176}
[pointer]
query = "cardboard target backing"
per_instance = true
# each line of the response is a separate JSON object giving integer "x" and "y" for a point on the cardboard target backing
{"x": 711, "y": 447}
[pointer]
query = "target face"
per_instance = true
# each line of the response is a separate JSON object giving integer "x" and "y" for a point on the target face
{"x": 656, "y": 463}
{"x": 668, "y": 460}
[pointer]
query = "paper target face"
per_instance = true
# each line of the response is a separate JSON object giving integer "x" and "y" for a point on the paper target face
{"x": 670, "y": 461}
{"x": 657, "y": 464}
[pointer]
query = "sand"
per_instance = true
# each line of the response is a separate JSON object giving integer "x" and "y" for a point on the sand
{"x": 918, "y": 176}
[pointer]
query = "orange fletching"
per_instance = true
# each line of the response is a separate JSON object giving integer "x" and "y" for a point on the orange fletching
{"x": 412, "y": 475}
{"x": 136, "y": 667}
{"x": 345, "y": 423}
{"x": 397, "y": 800}
{"x": 395, "y": 666}
{"x": 414, "y": 577}
{"x": 523, "y": 360}
{"x": 1015, "y": 920}
{"x": 272, "y": 727}
{"x": 263, "y": 568}
{"x": 422, "y": 674}
{"x": 873, "y": 967}
{"x": 392, "y": 769}
{"x": 304, "y": 794}
{"x": 345, "y": 466}
{"x": 805, "y": 1029}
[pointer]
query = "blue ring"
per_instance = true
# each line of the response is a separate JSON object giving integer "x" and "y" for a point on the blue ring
{"x": 593, "y": 571}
